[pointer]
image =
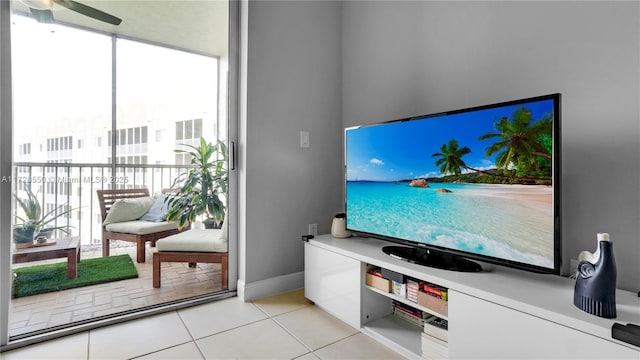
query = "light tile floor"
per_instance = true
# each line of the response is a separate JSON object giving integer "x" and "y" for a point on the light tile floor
{"x": 284, "y": 326}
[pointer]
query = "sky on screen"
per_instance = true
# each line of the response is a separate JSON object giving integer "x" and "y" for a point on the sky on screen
{"x": 402, "y": 150}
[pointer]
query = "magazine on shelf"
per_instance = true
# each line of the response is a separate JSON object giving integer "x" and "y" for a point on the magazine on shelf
{"x": 437, "y": 328}
{"x": 401, "y": 314}
{"x": 408, "y": 308}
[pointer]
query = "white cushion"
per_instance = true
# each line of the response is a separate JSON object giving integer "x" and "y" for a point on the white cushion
{"x": 128, "y": 209}
{"x": 141, "y": 227}
{"x": 194, "y": 240}
{"x": 225, "y": 230}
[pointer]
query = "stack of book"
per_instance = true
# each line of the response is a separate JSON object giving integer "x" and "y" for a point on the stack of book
{"x": 434, "y": 297}
{"x": 436, "y": 327}
{"x": 412, "y": 290}
{"x": 435, "y": 291}
{"x": 434, "y": 338}
{"x": 408, "y": 313}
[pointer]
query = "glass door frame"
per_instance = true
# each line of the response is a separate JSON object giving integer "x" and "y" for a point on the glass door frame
{"x": 230, "y": 86}
{"x": 6, "y": 159}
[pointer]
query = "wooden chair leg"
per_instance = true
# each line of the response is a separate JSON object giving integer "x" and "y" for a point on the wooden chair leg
{"x": 105, "y": 247}
{"x": 156, "y": 271}
{"x": 140, "y": 249}
{"x": 223, "y": 273}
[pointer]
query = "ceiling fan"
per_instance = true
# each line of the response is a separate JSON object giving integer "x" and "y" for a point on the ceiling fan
{"x": 41, "y": 10}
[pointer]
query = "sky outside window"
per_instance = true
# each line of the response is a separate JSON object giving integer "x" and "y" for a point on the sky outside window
{"x": 63, "y": 88}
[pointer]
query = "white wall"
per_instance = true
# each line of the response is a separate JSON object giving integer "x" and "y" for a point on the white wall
{"x": 409, "y": 58}
{"x": 292, "y": 84}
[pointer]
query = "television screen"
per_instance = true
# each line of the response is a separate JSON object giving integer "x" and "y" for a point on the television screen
{"x": 482, "y": 182}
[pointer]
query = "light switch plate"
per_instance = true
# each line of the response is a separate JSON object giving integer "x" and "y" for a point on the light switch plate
{"x": 304, "y": 139}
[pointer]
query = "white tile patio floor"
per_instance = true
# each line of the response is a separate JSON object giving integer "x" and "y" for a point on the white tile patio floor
{"x": 38, "y": 312}
{"x": 284, "y": 326}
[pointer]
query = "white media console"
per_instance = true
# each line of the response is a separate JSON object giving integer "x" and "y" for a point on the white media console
{"x": 500, "y": 313}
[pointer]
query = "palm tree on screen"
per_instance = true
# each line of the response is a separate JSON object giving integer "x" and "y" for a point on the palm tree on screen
{"x": 519, "y": 141}
{"x": 450, "y": 160}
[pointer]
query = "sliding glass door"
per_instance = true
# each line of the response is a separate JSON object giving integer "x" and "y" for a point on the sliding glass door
{"x": 97, "y": 110}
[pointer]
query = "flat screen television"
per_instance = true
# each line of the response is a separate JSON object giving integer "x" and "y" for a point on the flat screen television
{"x": 480, "y": 183}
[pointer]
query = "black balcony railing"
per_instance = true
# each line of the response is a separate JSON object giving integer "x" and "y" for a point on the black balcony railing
{"x": 63, "y": 186}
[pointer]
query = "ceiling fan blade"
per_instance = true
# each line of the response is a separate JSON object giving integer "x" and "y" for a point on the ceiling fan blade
{"x": 42, "y": 16}
{"x": 89, "y": 11}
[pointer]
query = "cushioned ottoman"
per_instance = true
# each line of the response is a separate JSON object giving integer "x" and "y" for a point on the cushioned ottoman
{"x": 192, "y": 246}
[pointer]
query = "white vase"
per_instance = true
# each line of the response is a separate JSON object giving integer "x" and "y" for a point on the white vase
{"x": 339, "y": 227}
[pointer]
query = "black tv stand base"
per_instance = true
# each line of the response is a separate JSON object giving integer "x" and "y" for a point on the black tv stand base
{"x": 432, "y": 258}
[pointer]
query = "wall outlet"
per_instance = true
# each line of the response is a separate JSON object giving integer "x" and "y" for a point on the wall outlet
{"x": 313, "y": 229}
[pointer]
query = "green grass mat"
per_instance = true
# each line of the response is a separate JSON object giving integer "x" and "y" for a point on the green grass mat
{"x": 53, "y": 277}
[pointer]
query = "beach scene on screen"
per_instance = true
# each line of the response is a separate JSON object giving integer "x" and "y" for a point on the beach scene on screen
{"x": 478, "y": 181}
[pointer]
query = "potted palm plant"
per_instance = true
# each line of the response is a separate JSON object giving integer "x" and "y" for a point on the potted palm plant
{"x": 33, "y": 222}
{"x": 23, "y": 234}
{"x": 199, "y": 190}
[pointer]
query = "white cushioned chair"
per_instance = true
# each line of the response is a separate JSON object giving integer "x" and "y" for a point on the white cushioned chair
{"x": 124, "y": 217}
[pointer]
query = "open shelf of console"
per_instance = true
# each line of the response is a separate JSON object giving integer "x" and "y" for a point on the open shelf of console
{"x": 397, "y": 334}
{"x": 380, "y": 322}
{"x": 404, "y": 300}
{"x": 531, "y": 315}
{"x": 402, "y": 336}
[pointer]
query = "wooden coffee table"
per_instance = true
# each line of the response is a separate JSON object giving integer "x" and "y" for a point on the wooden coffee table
{"x": 64, "y": 247}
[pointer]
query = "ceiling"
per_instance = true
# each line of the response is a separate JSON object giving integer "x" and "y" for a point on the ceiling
{"x": 195, "y": 25}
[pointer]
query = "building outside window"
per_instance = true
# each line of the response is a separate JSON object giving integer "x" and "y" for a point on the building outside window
{"x": 153, "y": 95}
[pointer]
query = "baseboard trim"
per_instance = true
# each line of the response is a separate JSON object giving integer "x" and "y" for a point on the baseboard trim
{"x": 267, "y": 287}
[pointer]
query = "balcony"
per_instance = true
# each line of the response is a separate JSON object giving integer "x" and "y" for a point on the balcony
{"x": 75, "y": 185}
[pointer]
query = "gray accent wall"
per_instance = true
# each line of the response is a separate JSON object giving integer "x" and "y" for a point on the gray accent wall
{"x": 321, "y": 66}
{"x": 293, "y": 84}
{"x": 409, "y": 58}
